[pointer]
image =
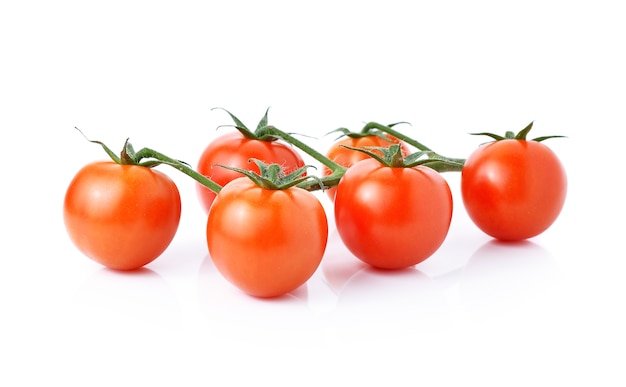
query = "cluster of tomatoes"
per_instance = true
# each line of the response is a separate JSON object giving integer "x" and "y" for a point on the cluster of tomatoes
{"x": 267, "y": 233}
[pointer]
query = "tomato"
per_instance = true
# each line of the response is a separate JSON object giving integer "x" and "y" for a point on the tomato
{"x": 121, "y": 216}
{"x": 266, "y": 242}
{"x": 391, "y": 217}
{"x": 513, "y": 189}
{"x": 347, "y": 157}
{"x": 235, "y": 150}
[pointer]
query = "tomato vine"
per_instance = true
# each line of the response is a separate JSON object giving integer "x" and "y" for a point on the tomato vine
{"x": 512, "y": 189}
{"x": 266, "y": 132}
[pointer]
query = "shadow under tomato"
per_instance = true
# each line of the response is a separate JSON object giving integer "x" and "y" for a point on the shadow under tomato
{"x": 501, "y": 275}
{"x": 242, "y": 318}
{"x": 369, "y": 298}
{"x": 123, "y": 297}
{"x": 407, "y": 292}
{"x": 338, "y": 264}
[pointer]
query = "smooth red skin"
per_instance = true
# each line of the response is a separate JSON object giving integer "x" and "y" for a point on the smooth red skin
{"x": 392, "y": 218}
{"x": 266, "y": 242}
{"x": 513, "y": 189}
{"x": 235, "y": 150}
{"x": 348, "y": 157}
{"x": 121, "y": 216}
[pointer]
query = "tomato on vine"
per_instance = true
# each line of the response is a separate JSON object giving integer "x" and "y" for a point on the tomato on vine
{"x": 122, "y": 213}
{"x": 393, "y": 212}
{"x": 513, "y": 188}
{"x": 265, "y": 235}
{"x": 235, "y": 149}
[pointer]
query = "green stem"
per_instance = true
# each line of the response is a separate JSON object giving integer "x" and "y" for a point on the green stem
{"x": 333, "y": 166}
{"x": 393, "y": 132}
{"x": 447, "y": 165}
{"x": 321, "y": 183}
{"x": 184, "y": 168}
{"x": 324, "y": 182}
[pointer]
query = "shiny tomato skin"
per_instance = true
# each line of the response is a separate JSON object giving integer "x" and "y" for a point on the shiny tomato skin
{"x": 348, "y": 157}
{"x": 235, "y": 150}
{"x": 121, "y": 216}
{"x": 266, "y": 242}
{"x": 392, "y": 218}
{"x": 513, "y": 189}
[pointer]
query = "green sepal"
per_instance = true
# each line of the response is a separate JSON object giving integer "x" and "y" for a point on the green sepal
{"x": 542, "y": 138}
{"x": 128, "y": 155}
{"x": 492, "y": 135}
{"x": 264, "y": 120}
{"x": 153, "y": 159}
{"x": 273, "y": 177}
{"x": 345, "y": 132}
{"x": 367, "y": 130}
{"x": 521, "y": 135}
{"x": 108, "y": 151}
{"x": 239, "y": 125}
{"x": 392, "y": 157}
{"x": 524, "y": 132}
{"x": 371, "y": 127}
{"x": 261, "y": 133}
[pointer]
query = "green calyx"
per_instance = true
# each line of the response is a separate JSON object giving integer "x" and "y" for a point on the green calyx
{"x": 366, "y": 132}
{"x": 392, "y": 157}
{"x": 273, "y": 177}
{"x": 128, "y": 156}
{"x": 262, "y": 131}
{"x": 149, "y": 158}
{"x": 521, "y": 135}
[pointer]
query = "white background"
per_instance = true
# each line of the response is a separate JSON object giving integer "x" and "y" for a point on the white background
{"x": 545, "y": 312}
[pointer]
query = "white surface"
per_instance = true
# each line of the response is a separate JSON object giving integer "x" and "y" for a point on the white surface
{"x": 546, "y": 312}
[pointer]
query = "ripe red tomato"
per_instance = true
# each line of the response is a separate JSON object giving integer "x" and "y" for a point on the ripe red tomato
{"x": 235, "y": 150}
{"x": 266, "y": 242}
{"x": 347, "y": 157}
{"x": 121, "y": 216}
{"x": 392, "y": 218}
{"x": 513, "y": 189}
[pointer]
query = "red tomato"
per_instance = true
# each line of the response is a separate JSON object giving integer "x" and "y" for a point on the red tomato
{"x": 392, "y": 218}
{"x": 121, "y": 216}
{"x": 266, "y": 242}
{"x": 513, "y": 189}
{"x": 235, "y": 150}
{"x": 347, "y": 157}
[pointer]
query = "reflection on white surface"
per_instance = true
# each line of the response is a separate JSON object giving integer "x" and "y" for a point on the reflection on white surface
{"x": 501, "y": 275}
{"x": 497, "y": 277}
{"x": 122, "y": 298}
{"x": 362, "y": 289}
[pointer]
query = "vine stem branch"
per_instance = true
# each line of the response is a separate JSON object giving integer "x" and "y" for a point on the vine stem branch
{"x": 181, "y": 166}
{"x": 322, "y": 183}
{"x": 447, "y": 165}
